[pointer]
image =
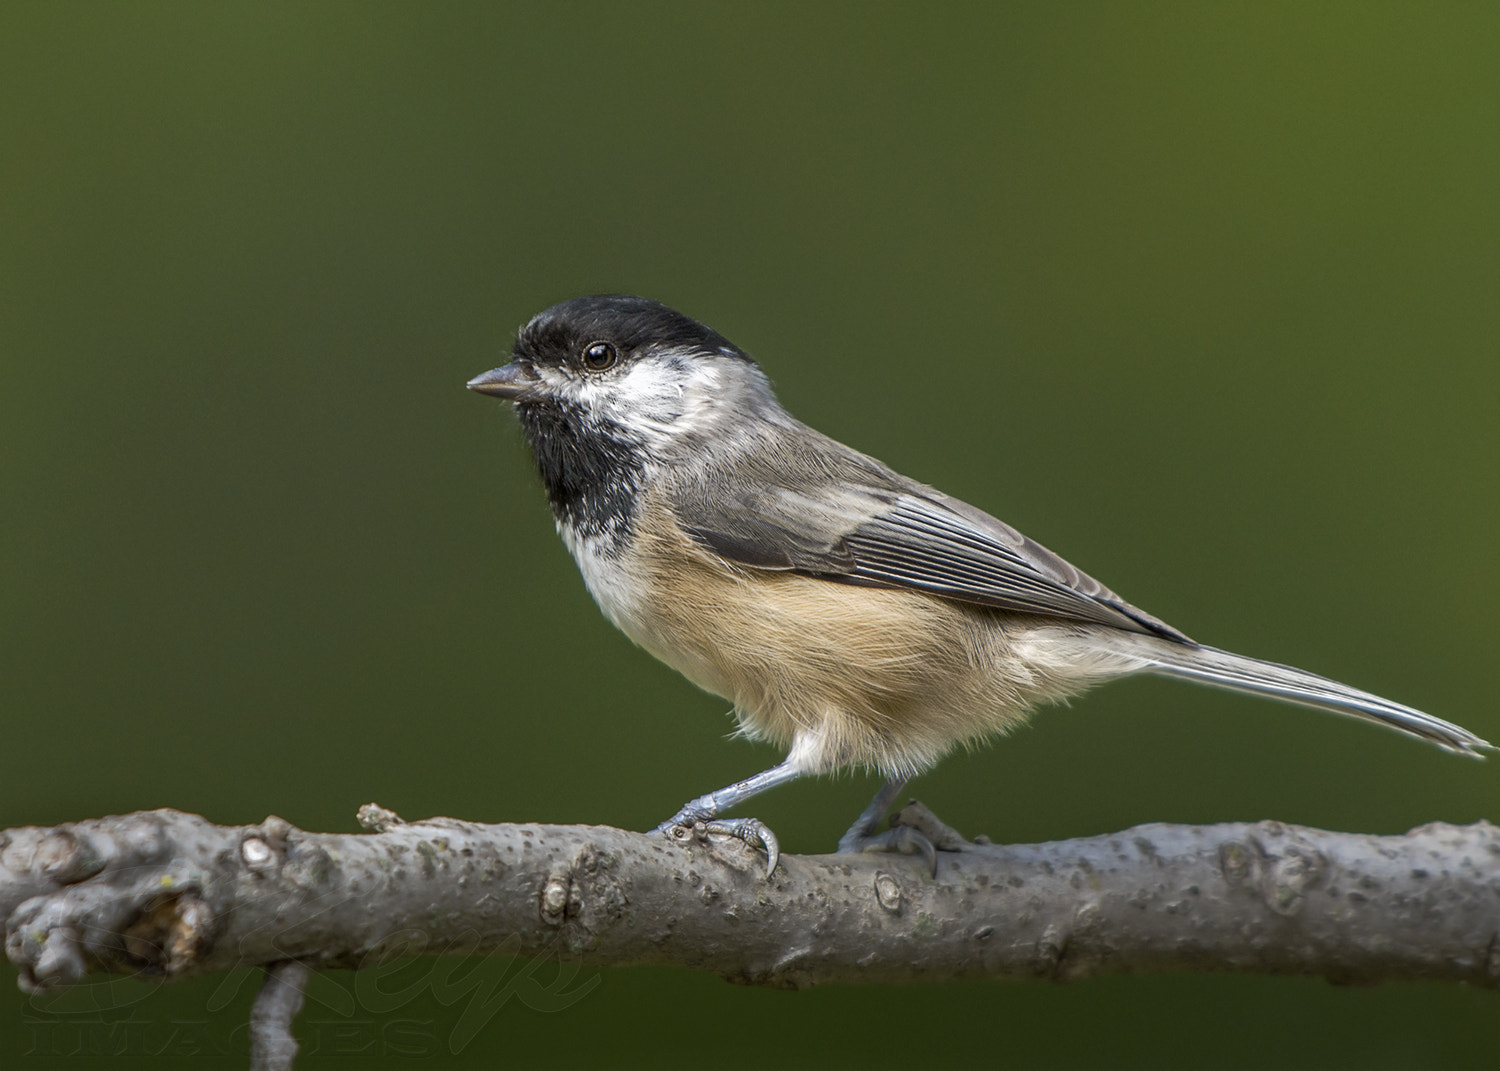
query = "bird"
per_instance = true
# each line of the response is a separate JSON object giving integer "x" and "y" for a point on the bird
{"x": 854, "y": 617}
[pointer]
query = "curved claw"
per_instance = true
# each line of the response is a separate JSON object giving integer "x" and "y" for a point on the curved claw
{"x": 903, "y": 839}
{"x": 753, "y": 832}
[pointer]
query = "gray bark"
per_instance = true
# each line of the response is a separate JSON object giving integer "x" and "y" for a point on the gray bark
{"x": 168, "y": 893}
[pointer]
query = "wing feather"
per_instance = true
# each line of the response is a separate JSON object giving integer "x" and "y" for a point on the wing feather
{"x": 852, "y": 520}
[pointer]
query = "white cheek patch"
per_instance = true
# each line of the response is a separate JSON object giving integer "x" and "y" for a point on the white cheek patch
{"x": 591, "y": 394}
{"x": 701, "y": 396}
{"x": 658, "y": 397}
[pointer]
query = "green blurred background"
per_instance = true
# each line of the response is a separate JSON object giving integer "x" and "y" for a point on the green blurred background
{"x": 1203, "y": 296}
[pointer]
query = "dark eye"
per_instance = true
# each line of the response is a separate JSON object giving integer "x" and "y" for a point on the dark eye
{"x": 597, "y": 356}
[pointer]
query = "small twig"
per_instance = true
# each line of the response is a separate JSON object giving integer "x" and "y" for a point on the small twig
{"x": 272, "y": 1046}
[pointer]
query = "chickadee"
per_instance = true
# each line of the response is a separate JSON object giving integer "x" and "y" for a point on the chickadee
{"x": 853, "y": 616}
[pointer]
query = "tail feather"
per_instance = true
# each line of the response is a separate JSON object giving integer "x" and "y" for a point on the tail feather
{"x": 1222, "y": 669}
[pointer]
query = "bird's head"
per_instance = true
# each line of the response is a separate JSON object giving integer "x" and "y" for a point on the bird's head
{"x": 630, "y": 368}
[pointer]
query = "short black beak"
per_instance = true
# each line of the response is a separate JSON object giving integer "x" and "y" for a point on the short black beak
{"x": 510, "y": 381}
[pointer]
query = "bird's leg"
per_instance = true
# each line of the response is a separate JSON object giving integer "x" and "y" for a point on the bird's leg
{"x": 862, "y": 835}
{"x": 869, "y": 818}
{"x": 753, "y": 832}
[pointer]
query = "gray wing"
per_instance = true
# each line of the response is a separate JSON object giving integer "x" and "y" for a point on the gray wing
{"x": 858, "y": 522}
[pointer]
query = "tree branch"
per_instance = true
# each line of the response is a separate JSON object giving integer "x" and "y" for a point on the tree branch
{"x": 168, "y": 893}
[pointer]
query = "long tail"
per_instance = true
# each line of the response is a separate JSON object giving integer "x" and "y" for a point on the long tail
{"x": 1209, "y": 665}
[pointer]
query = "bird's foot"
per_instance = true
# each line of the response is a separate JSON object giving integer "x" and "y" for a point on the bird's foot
{"x": 914, "y": 830}
{"x": 754, "y": 833}
{"x": 751, "y": 831}
{"x": 901, "y": 839}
